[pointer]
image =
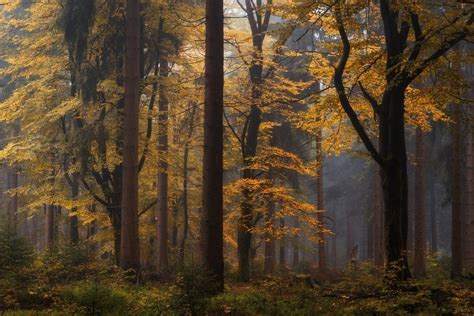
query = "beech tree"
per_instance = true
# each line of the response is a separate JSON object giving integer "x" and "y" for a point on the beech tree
{"x": 212, "y": 237}
{"x": 130, "y": 242}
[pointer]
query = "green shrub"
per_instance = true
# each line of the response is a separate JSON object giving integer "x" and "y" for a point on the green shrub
{"x": 92, "y": 298}
{"x": 193, "y": 287}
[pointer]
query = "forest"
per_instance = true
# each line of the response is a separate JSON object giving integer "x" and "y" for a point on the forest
{"x": 236, "y": 157}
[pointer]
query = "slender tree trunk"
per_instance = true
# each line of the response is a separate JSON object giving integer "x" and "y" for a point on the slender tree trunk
{"x": 419, "y": 268}
{"x": 212, "y": 193}
{"x": 282, "y": 250}
{"x": 320, "y": 205}
{"x": 269, "y": 262}
{"x": 434, "y": 226}
{"x": 73, "y": 220}
{"x": 162, "y": 205}
{"x": 130, "y": 240}
{"x": 296, "y": 243}
{"x": 184, "y": 237}
{"x": 370, "y": 239}
{"x": 185, "y": 205}
{"x": 349, "y": 238}
{"x": 456, "y": 249}
{"x": 49, "y": 226}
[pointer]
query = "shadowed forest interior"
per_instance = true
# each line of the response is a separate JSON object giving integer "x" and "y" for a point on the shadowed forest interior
{"x": 241, "y": 157}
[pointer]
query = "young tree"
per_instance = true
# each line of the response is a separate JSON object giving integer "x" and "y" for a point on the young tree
{"x": 162, "y": 186}
{"x": 130, "y": 242}
{"x": 212, "y": 191}
{"x": 320, "y": 202}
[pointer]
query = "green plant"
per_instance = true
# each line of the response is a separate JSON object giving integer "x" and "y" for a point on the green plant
{"x": 193, "y": 287}
{"x": 92, "y": 298}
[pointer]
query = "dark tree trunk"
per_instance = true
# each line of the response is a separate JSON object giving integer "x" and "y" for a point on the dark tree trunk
{"x": 370, "y": 239}
{"x": 282, "y": 250}
{"x": 469, "y": 216}
{"x": 296, "y": 244}
{"x": 130, "y": 239}
{"x": 212, "y": 193}
{"x": 394, "y": 180}
{"x": 50, "y": 211}
{"x": 434, "y": 225}
{"x": 419, "y": 267}
{"x": 378, "y": 222}
{"x": 162, "y": 183}
{"x": 456, "y": 248}
{"x": 73, "y": 220}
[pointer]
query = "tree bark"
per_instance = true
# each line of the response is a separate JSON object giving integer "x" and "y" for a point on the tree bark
{"x": 162, "y": 183}
{"x": 73, "y": 220}
{"x": 50, "y": 211}
{"x": 456, "y": 248}
{"x": 282, "y": 250}
{"x": 378, "y": 222}
{"x": 269, "y": 262}
{"x": 130, "y": 240}
{"x": 469, "y": 235}
{"x": 320, "y": 203}
{"x": 212, "y": 193}
{"x": 419, "y": 267}
{"x": 296, "y": 244}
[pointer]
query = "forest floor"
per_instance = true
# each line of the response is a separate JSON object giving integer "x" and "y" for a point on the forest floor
{"x": 62, "y": 284}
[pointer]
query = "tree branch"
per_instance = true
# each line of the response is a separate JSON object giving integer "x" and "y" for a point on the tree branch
{"x": 339, "y": 84}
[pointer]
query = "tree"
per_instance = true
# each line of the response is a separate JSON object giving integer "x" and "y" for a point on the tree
{"x": 404, "y": 63}
{"x": 456, "y": 237}
{"x": 130, "y": 242}
{"x": 212, "y": 192}
{"x": 162, "y": 205}
{"x": 320, "y": 203}
{"x": 419, "y": 267}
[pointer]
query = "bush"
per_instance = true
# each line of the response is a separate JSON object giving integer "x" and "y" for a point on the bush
{"x": 16, "y": 256}
{"x": 92, "y": 298}
{"x": 193, "y": 287}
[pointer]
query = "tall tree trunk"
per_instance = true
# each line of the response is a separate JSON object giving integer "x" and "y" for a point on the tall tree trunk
{"x": 184, "y": 236}
{"x": 162, "y": 183}
{"x": 469, "y": 235}
{"x": 212, "y": 193}
{"x": 282, "y": 250}
{"x": 419, "y": 267}
{"x": 434, "y": 225}
{"x": 456, "y": 248}
{"x": 349, "y": 239}
{"x": 320, "y": 205}
{"x": 50, "y": 211}
{"x": 296, "y": 243}
{"x": 73, "y": 220}
{"x": 370, "y": 239}
{"x": 378, "y": 221}
{"x": 394, "y": 180}
{"x": 469, "y": 240}
{"x": 130, "y": 240}
{"x": 269, "y": 261}
{"x": 186, "y": 183}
